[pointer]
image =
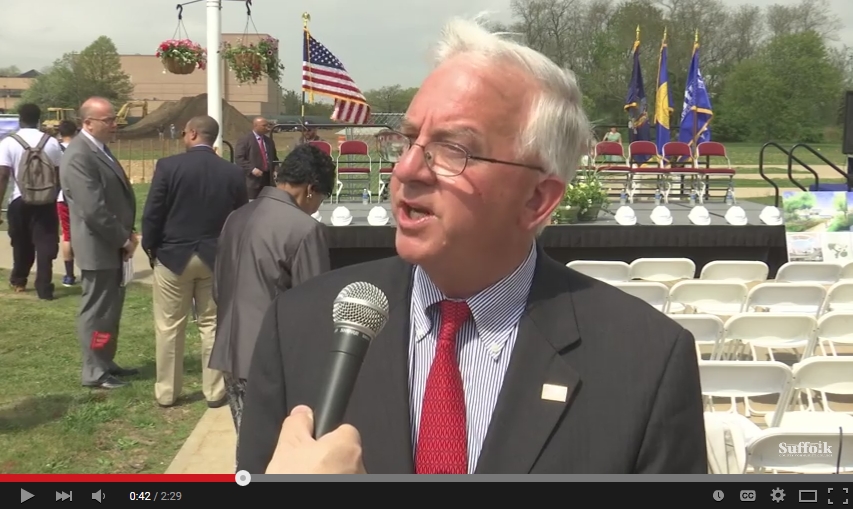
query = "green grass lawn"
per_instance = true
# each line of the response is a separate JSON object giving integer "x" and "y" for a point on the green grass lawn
{"x": 49, "y": 423}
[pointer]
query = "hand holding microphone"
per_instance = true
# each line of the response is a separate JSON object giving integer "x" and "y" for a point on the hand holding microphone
{"x": 359, "y": 313}
{"x": 338, "y": 452}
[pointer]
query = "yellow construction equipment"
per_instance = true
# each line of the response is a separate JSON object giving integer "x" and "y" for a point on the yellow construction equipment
{"x": 55, "y": 116}
{"x": 121, "y": 116}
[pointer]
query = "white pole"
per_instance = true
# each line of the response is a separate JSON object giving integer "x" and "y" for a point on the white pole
{"x": 214, "y": 67}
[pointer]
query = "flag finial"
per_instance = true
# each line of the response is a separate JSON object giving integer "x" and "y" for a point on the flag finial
{"x": 305, "y": 19}
{"x": 638, "y": 33}
{"x": 696, "y": 39}
{"x": 664, "y": 35}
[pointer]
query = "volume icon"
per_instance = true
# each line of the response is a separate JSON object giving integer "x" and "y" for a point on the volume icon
{"x": 63, "y": 496}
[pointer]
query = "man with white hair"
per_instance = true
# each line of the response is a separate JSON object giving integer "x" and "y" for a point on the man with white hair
{"x": 495, "y": 357}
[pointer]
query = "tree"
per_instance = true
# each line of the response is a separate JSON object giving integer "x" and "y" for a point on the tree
{"x": 95, "y": 71}
{"x": 9, "y": 72}
{"x": 789, "y": 92}
{"x": 392, "y": 99}
{"x": 291, "y": 103}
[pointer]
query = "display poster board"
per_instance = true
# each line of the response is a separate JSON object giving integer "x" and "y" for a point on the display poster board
{"x": 819, "y": 226}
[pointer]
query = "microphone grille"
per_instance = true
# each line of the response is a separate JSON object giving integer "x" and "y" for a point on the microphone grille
{"x": 363, "y": 306}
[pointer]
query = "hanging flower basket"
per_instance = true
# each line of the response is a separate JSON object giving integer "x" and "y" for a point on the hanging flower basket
{"x": 181, "y": 56}
{"x": 251, "y": 62}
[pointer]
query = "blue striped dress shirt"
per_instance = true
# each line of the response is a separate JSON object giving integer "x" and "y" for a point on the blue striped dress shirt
{"x": 484, "y": 347}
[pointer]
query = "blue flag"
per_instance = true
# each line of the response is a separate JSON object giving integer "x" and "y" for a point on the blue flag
{"x": 636, "y": 105}
{"x": 663, "y": 101}
{"x": 696, "y": 114}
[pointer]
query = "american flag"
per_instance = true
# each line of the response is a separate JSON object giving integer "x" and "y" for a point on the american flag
{"x": 323, "y": 73}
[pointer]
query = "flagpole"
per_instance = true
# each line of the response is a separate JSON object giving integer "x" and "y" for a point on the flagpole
{"x": 305, "y": 19}
{"x": 214, "y": 67}
{"x": 694, "y": 107}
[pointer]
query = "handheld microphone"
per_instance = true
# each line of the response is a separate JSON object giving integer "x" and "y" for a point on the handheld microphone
{"x": 359, "y": 313}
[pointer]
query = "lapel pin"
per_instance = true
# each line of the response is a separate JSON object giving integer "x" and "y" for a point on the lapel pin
{"x": 555, "y": 392}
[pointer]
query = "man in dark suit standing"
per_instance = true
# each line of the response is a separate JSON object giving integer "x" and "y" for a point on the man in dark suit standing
{"x": 102, "y": 208}
{"x": 255, "y": 154}
{"x": 495, "y": 358}
{"x": 191, "y": 196}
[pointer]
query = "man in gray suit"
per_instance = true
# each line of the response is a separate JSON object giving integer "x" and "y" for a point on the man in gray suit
{"x": 102, "y": 209}
{"x": 267, "y": 247}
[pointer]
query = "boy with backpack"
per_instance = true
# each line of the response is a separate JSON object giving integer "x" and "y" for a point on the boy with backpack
{"x": 30, "y": 160}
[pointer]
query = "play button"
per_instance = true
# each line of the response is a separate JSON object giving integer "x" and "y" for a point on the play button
{"x": 25, "y": 495}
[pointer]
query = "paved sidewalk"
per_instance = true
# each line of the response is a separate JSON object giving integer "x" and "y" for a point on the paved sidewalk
{"x": 210, "y": 447}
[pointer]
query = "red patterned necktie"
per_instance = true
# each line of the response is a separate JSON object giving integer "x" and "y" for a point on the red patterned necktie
{"x": 263, "y": 152}
{"x": 442, "y": 438}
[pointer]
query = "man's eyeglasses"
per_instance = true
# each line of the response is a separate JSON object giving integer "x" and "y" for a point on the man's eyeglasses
{"x": 105, "y": 120}
{"x": 442, "y": 158}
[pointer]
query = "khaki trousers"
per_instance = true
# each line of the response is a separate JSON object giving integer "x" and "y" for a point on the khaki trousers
{"x": 173, "y": 298}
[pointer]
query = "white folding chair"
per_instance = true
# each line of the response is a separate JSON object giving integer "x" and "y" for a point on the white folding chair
{"x": 655, "y": 294}
{"x": 726, "y": 436}
{"x": 707, "y": 331}
{"x": 744, "y": 379}
{"x": 839, "y": 297}
{"x": 786, "y": 298}
{"x": 835, "y": 328}
{"x": 826, "y": 375}
{"x": 809, "y": 272}
{"x": 711, "y": 297}
{"x": 663, "y": 269}
{"x": 805, "y": 452}
{"x": 743, "y": 271}
{"x": 846, "y": 272}
{"x": 773, "y": 331}
{"x": 603, "y": 270}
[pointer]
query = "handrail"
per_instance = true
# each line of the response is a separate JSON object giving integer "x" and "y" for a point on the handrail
{"x": 847, "y": 176}
{"x": 791, "y": 159}
{"x": 331, "y": 125}
{"x": 761, "y": 167}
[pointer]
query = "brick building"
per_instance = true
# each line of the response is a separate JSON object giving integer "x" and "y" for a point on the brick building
{"x": 153, "y": 84}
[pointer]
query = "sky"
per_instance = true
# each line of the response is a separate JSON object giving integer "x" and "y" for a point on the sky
{"x": 381, "y": 42}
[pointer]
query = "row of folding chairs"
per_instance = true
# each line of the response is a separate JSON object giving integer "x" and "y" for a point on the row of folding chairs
{"x": 354, "y": 160}
{"x": 726, "y": 298}
{"x": 796, "y": 418}
{"x": 729, "y": 339}
{"x": 676, "y": 159}
{"x": 665, "y": 270}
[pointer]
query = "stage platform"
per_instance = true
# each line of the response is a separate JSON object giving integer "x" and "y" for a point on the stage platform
{"x": 603, "y": 239}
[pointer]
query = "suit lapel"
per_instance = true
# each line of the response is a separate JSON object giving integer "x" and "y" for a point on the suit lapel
{"x": 539, "y": 385}
{"x": 379, "y": 407}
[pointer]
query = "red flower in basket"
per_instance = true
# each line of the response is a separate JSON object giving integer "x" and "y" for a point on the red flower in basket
{"x": 181, "y": 56}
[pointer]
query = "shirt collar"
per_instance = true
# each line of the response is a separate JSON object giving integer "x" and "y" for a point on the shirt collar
{"x": 92, "y": 139}
{"x": 494, "y": 309}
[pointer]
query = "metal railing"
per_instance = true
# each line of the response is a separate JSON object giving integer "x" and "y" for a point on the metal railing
{"x": 763, "y": 175}
{"x": 791, "y": 159}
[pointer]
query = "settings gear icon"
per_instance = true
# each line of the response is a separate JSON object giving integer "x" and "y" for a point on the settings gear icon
{"x": 778, "y": 495}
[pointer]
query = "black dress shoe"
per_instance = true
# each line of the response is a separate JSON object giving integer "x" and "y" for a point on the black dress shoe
{"x": 108, "y": 382}
{"x": 219, "y": 403}
{"x": 124, "y": 372}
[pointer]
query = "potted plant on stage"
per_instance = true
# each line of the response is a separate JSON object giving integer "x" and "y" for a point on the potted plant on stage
{"x": 586, "y": 195}
{"x": 181, "y": 56}
{"x": 251, "y": 62}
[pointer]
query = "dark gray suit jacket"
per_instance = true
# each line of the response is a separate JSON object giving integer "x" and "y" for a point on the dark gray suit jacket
{"x": 101, "y": 204}
{"x": 266, "y": 247}
{"x": 634, "y": 404}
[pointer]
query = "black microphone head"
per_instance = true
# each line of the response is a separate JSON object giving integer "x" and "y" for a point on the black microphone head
{"x": 361, "y": 306}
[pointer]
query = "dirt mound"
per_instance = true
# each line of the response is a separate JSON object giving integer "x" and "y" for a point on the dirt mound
{"x": 234, "y": 124}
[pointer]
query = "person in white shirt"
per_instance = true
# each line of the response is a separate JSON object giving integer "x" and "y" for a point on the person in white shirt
{"x": 67, "y": 132}
{"x": 33, "y": 229}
